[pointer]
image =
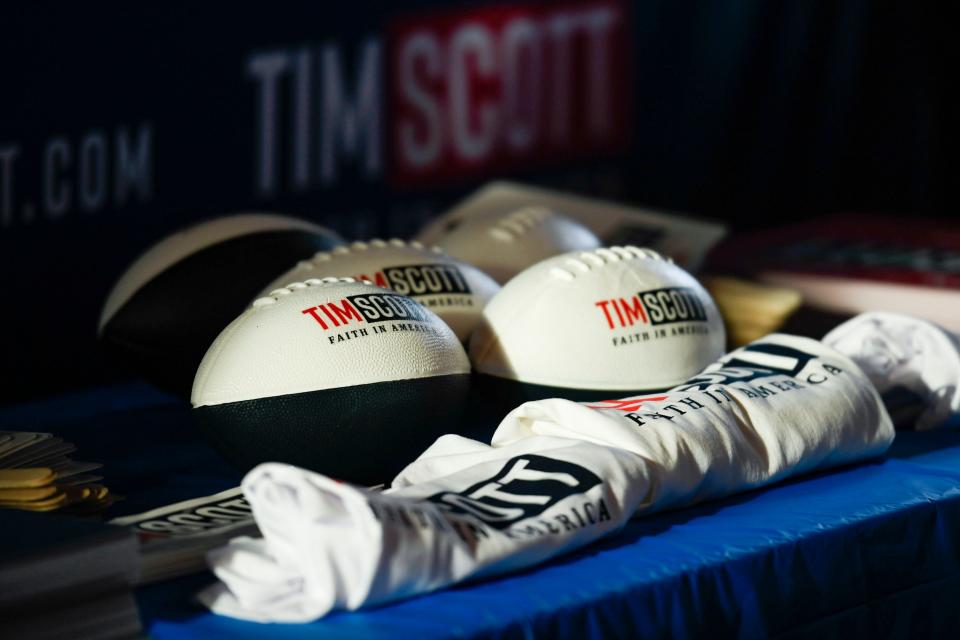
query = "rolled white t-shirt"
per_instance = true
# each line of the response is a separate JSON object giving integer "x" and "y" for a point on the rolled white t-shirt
{"x": 557, "y": 475}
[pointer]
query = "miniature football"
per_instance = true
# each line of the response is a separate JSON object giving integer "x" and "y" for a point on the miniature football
{"x": 503, "y": 245}
{"x": 592, "y": 325}
{"x": 171, "y": 303}
{"x": 335, "y": 375}
{"x": 454, "y": 290}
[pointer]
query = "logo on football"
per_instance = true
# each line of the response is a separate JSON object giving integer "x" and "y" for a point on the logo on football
{"x": 335, "y": 375}
{"x": 457, "y": 292}
{"x": 503, "y": 245}
{"x": 171, "y": 303}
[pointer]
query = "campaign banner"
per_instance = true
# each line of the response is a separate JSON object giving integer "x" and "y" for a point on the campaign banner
{"x": 118, "y": 129}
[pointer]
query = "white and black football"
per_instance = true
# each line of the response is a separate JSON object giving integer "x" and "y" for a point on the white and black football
{"x": 592, "y": 325}
{"x": 503, "y": 245}
{"x": 335, "y": 375}
{"x": 454, "y": 290}
{"x": 171, "y": 303}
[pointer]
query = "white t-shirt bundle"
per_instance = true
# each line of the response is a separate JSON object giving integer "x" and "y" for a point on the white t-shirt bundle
{"x": 557, "y": 475}
{"x": 913, "y": 363}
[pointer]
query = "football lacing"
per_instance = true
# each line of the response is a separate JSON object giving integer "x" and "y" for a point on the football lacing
{"x": 360, "y": 246}
{"x": 587, "y": 261}
{"x": 275, "y": 295}
{"x": 519, "y": 222}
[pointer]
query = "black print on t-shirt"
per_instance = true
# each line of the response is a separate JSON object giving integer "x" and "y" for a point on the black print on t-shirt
{"x": 524, "y": 488}
{"x": 742, "y": 368}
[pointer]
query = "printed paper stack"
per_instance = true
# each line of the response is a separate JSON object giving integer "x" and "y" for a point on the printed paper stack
{"x": 65, "y": 577}
{"x": 175, "y": 539}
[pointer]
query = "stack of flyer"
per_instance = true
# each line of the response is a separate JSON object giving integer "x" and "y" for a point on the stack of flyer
{"x": 851, "y": 263}
{"x": 175, "y": 539}
{"x": 65, "y": 577}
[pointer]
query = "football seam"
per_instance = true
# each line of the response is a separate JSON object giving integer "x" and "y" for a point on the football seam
{"x": 514, "y": 225}
{"x": 410, "y": 375}
{"x": 588, "y": 261}
{"x": 282, "y": 292}
{"x": 360, "y": 246}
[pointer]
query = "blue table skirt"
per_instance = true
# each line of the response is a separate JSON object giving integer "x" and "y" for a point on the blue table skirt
{"x": 868, "y": 550}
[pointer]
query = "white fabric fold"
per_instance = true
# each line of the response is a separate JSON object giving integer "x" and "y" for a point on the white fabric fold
{"x": 913, "y": 363}
{"x": 557, "y": 475}
{"x": 329, "y": 545}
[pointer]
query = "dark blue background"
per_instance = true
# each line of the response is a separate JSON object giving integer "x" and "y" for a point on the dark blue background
{"x": 754, "y": 112}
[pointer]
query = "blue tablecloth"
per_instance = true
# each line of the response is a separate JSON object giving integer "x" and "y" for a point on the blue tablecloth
{"x": 872, "y": 549}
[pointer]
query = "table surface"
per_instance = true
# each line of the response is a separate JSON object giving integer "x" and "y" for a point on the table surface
{"x": 871, "y": 549}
